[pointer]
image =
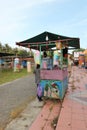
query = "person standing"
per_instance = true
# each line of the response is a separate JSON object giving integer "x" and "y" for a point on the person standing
{"x": 37, "y": 74}
{"x": 37, "y": 81}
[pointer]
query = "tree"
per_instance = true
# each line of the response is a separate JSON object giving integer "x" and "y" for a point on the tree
{"x": 1, "y": 47}
{"x": 15, "y": 50}
{"x": 8, "y": 48}
{"x": 23, "y": 53}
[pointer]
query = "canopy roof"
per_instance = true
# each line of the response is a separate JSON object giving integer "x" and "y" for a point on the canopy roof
{"x": 47, "y": 38}
{"x": 5, "y": 54}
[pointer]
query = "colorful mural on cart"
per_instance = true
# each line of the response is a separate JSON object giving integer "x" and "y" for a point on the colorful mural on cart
{"x": 54, "y": 88}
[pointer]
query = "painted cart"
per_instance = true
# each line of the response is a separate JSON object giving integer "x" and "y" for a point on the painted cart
{"x": 54, "y": 81}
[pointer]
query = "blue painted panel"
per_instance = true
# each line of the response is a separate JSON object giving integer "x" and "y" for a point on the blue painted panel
{"x": 54, "y": 88}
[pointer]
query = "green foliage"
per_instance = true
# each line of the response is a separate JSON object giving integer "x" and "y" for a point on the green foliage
{"x": 46, "y": 87}
{"x": 50, "y": 53}
{"x": 7, "y": 49}
{"x": 15, "y": 50}
{"x": 23, "y": 53}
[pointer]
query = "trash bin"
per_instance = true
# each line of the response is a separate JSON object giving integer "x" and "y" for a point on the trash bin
{"x": 28, "y": 66}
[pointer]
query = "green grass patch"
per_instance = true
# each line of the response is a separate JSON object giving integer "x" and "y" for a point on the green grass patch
{"x": 7, "y": 75}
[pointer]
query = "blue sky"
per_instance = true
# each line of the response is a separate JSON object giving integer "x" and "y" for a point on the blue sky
{"x": 23, "y": 19}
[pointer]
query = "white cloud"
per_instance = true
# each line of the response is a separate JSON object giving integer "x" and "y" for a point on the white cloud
{"x": 15, "y": 12}
{"x": 16, "y": 16}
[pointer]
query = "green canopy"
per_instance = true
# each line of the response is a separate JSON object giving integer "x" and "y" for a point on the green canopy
{"x": 46, "y": 38}
{"x": 5, "y": 54}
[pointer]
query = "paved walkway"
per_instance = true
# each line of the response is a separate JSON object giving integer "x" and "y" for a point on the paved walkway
{"x": 14, "y": 97}
{"x": 25, "y": 119}
{"x": 48, "y": 117}
{"x": 72, "y": 114}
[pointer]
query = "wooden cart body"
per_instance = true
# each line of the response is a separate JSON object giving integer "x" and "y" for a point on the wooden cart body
{"x": 54, "y": 83}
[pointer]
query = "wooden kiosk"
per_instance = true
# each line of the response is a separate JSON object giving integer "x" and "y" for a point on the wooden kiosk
{"x": 53, "y": 79}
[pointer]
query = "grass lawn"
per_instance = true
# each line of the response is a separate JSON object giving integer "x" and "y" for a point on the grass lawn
{"x": 10, "y": 75}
